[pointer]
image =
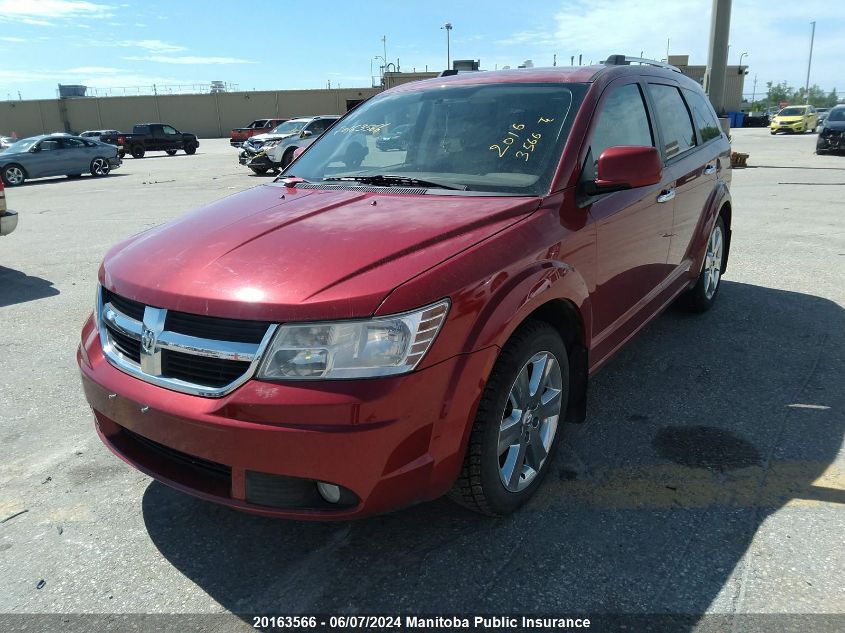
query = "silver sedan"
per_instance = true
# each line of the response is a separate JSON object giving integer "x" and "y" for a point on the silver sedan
{"x": 56, "y": 155}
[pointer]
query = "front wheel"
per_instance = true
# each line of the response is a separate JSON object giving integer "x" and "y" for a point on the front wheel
{"x": 516, "y": 427}
{"x": 13, "y": 175}
{"x": 138, "y": 151}
{"x": 170, "y": 152}
{"x": 100, "y": 167}
{"x": 287, "y": 158}
{"x": 259, "y": 171}
{"x": 702, "y": 296}
{"x": 190, "y": 149}
{"x": 772, "y": 132}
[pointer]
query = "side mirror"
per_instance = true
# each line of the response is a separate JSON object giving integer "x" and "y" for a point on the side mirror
{"x": 34, "y": 149}
{"x": 305, "y": 133}
{"x": 627, "y": 167}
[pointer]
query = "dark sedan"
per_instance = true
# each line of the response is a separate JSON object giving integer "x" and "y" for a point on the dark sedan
{"x": 56, "y": 155}
{"x": 832, "y": 133}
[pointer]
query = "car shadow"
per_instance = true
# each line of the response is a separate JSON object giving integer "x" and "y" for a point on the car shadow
{"x": 18, "y": 287}
{"x": 698, "y": 431}
{"x": 56, "y": 180}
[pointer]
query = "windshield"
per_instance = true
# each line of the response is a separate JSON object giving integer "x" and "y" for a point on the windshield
{"x": 289, "y": 127}
{"x": 493, "y": 137}
{"x": 792, "y": 112}
{"x": 24, "y": 144}
{"x": 837, "y": 114}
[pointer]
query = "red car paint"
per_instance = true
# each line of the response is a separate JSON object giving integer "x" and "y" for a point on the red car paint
{"x": 282, "y": 254}
{"x": 259, "y": 126}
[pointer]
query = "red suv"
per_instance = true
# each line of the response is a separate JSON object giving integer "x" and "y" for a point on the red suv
{"x": 379, "y": 326}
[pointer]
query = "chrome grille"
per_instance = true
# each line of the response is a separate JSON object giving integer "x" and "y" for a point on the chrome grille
{"x": 201, "y": 355}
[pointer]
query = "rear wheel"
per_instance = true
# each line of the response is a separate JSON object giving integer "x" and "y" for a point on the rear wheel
{"x": 13, "y": 175}
{"x": 515, "y": 429}
{"x": 100, "y": 167}
{"x": 190, "y": 149}
{"x": 259, "y": 171}
{"x": 287, "y": 158}
{"x": 138, "y": 151}
{"x": 170, "y": 152}
{"x": 702, "y": 296}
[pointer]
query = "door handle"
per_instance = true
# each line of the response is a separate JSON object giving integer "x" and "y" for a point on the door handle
{"x": 666, "y": 195}
{"x": 710, "y": 169}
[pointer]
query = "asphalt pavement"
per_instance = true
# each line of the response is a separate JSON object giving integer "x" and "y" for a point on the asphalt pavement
{"x": 710, "y": 477}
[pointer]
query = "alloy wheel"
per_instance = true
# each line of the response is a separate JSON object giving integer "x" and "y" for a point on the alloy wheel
{"x": 14, "y": 175}
{"x": 100, "y": 167}
{"x": 530, "y": 420}
{"x": 713, "y": 262}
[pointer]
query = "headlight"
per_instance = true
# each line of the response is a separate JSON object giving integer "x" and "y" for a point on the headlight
{"x": 270, "y": 144}
{"x": 353, "y": 349}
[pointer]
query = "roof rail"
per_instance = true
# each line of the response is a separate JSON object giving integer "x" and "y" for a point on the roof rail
{"x": 623, "y": 60}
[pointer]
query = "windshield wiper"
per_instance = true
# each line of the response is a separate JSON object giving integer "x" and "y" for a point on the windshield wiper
{"x": 387, "y": 180}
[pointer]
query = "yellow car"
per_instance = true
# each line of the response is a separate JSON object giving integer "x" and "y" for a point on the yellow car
{"x": 801, "y": 118}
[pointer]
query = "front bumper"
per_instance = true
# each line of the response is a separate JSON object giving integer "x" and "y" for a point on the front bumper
{"x": 793, "y": 126}
{"x": 832, "y": 141}
{"x": 387, "y": 442}
{"x": 115, "y": 162}
{"x": 8, "y": 222}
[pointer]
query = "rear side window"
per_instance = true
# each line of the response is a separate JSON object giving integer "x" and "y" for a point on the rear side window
{"x": 141, "y": 129}
{"x": 673, "y": 118}
{"x": 703, "y": 116}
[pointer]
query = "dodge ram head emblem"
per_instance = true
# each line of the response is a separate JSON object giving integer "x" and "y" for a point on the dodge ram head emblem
{"x": 148, "y": 341}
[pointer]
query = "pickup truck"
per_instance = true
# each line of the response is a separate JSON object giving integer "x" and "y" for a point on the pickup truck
{"x": 153, "y": 137}
{"x": 259, "y": 126}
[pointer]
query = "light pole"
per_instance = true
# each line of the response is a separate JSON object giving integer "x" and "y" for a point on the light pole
{"x": 809, "y": 61}
{"x": 383, "y": 68}
{"x": 448, "y": 27}
{"x": 740, "y": 62}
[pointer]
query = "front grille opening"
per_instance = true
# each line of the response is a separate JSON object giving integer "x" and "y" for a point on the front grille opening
{"x": 213, "y": 372}
{"x": 219, "y": 329}
{"x": 129, "y": 347}
{"x": 198, "y": 473}
{"x": 132, "y": 309}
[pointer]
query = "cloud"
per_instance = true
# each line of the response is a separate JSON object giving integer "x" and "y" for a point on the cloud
{"x": 14, "y": 40}
{"x": 156, "y": 46}
{"x": 190, "y": 60}
{"x": 41, "y": 12}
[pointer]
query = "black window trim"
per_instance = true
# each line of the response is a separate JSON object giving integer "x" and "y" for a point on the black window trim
{"x": 584, "y": 199}
{"x": 699, "y": 138}
{"x": 662, "y": 149}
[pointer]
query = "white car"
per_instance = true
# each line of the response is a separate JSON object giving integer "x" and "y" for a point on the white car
{"x": 8, "y": 219}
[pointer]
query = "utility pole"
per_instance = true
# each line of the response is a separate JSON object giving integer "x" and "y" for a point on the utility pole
{"x": 554, "y": 60}
{"x": 809, "y": 62}
{"x": 717, "y": 58}
{"x": 384, "y": 42}
{"x": 754, "y": 90}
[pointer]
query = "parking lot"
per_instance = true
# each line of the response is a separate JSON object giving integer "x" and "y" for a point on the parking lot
{"x": 710, "y": 476}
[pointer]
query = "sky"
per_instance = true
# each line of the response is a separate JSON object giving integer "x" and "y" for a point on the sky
{"x": 266, "y": 44}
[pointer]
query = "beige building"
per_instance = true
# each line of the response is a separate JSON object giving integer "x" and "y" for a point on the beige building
{"x": 734, "y": 81}
{"x": 206, "y": 115}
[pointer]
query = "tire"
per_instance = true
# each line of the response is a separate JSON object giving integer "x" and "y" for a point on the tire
{"x": 100, "y": 167}
{"x": 190, "y": 149}
{"x": 491, "y": 480}
{"x": 287, "y": 157}
{"x": 702, "y": 296}
{"x": 773, "y": 132}
{"x": 138, "y": 151}
{"x": 260, "y": 171}
{"x": 170, "y": 152}
{"x": 14, "y": 175}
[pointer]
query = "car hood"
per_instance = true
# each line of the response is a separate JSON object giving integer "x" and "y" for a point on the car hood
{"x": 278, "y": 253}
{"x": 835, "y": 125}
{"x": 272, "y": 137}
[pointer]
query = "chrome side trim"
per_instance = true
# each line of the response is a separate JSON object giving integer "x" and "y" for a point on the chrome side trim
{"x": 151, "y": 333}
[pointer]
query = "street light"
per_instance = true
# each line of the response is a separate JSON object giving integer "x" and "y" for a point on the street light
{"x": 448, "y": 27}
{"x": 383, "y": 67}
{"x": 739, "y": 70}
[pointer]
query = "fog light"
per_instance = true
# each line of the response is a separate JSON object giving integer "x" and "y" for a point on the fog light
{"x": 329, "y": 492}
